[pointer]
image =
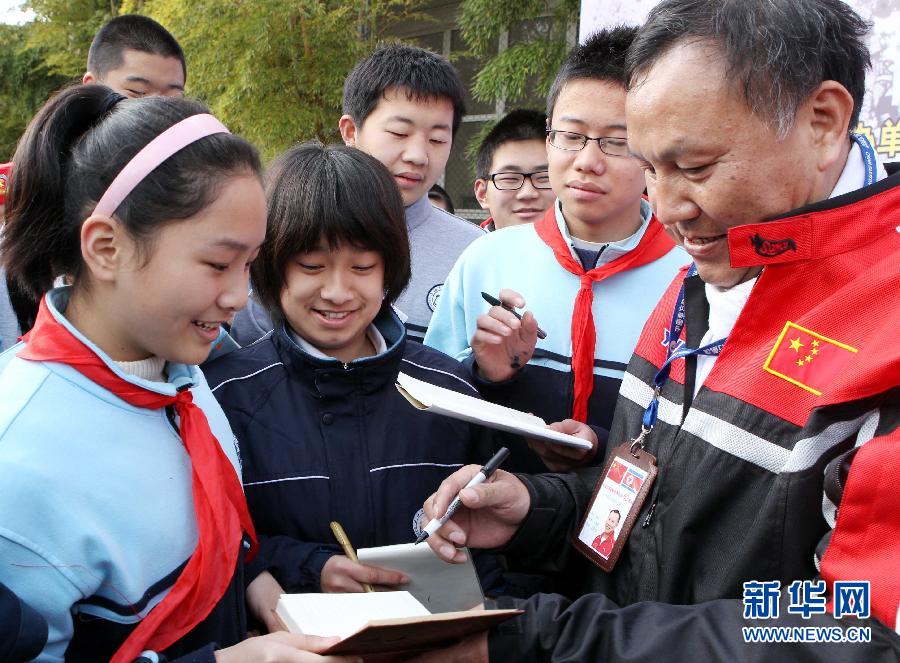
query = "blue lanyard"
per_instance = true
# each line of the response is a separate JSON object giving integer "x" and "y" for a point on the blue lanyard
{"x": 868, "y": 155}
{"x": 675, "y": 350}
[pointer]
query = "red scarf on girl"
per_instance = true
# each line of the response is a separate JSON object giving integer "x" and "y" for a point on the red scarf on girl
{"x": 654, "y": 244}
{"x": 219, "y": 503}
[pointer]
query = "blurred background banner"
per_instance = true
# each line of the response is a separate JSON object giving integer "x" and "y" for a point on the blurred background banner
{"x": 880, "y": 117}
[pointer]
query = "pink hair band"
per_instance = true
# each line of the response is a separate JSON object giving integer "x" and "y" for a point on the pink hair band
{"x": 170, "y": 141}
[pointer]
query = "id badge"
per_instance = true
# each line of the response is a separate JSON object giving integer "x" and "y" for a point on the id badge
{"x": 623, "y": 488}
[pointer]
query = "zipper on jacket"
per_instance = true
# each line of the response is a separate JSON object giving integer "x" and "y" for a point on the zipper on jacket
{"x": 649, "y": 517}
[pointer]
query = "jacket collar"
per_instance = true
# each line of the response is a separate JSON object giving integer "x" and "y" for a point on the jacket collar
{"x": 820, "y": 230}
{"x": 419, "y": 212}
{"x": 387, "y": 322}
{"x": 179, "y": 376}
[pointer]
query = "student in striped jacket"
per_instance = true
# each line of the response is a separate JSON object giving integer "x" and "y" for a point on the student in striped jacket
{"x": 324, "y": 434}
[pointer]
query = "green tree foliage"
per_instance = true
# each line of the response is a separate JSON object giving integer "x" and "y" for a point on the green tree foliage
{"x": 63, "y": 31}
{"x": 25, "y": 84}
{"x": 273, "y": 70}
{"x": 526, "y": 68}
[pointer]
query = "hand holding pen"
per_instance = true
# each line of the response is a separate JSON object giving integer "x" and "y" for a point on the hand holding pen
{"x": 493, "y": 512}
{"x": 504, "y": 341}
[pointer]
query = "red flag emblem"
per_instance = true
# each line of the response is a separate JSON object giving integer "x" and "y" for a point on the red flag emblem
{"x": 632, "y": 481}
{"x": 807, "y": 359}
{"x": 616, "y": 471}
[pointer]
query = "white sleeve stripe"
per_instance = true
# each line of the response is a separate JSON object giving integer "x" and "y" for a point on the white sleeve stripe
{"x": 390, "y": 467}
{"x": 244, "y": 377}
{"x": 437, "y": 370}
{"x": 260, "y": 483}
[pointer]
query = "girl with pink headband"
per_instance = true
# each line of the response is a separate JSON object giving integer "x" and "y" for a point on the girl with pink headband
{"x": 122, "y": 518}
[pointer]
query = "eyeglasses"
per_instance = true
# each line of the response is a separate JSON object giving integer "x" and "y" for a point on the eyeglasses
{"x": 572, "y": 142}
{"x": 540, "y": 179}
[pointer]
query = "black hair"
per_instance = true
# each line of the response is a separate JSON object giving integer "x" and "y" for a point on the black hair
{"x": 131, "y": 31}
{"x": 70, "y": 153}
{"x": 421, "y": 74}
{"x": 519, "y": 124}
{"x": 600, "y": 58}
{"x": 337, "y": 194}
{"x": 776, "y": 51}
{"x": 437, "y": 192}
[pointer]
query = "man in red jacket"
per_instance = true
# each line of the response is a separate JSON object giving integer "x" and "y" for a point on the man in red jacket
{"x": 765, "y": 384}
{"x": 604, "y": 542}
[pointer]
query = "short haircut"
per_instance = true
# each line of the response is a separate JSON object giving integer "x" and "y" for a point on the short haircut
{"x": 423, "y": 75}
{"x": 776, "y": 51}
{"x": 337, "y": 195}
{"x": 437, "y": 192}
{"x": 520, "y": 124}
{"x": 135, "y": 32}
{"x": 600, "y": 58}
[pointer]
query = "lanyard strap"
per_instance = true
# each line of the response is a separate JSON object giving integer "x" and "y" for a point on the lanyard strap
{"x": 868, "y": 156}
{"x": 675, "y": 350}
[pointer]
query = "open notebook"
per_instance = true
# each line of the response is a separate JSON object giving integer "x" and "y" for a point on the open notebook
{"x": 380, "y": 622}
{"x": 431, "y": 398}
{"x": 438, "y": 585}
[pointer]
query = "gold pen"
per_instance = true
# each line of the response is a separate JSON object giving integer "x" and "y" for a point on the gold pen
{"x": 344, "y": 541}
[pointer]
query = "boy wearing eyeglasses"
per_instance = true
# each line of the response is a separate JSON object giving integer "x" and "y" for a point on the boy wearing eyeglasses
{"x": 512, "y": 182}
{"x": 590, "y": 270}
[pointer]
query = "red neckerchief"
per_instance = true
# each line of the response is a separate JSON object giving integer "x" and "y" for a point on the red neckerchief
{"x": 653, "y": 245}
{"x": 486, "y": 224}
{"x": 219, "y": 502}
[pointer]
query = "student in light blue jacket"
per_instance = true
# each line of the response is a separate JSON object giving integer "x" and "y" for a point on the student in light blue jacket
{"x": 122, "y": 521}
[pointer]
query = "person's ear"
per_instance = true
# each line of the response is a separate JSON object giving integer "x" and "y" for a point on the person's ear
{"x": 481, "y": 193}
{"x": 827, "y": 111}
{"x": 103, "y": 246}
{"x": 88, "y": 78}
{"x": 348, "y": 130}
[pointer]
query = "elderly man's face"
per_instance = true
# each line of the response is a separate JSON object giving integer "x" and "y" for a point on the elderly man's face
{"x": 710, "y": 163}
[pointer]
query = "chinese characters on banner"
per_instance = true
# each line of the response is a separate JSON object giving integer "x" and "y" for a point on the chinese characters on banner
{"x": 880, "y": 116}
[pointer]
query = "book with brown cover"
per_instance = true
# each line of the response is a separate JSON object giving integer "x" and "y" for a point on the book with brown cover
{"x": 405, "y": 635}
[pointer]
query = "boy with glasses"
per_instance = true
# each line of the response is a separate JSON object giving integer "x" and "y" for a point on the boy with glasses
{"x": 512, "y": 182}
{"x": 590, "y": 270}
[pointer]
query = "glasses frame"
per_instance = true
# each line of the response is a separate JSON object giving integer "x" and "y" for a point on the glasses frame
{"x": 601, "y": 142}
{"x": 528, "y": 176}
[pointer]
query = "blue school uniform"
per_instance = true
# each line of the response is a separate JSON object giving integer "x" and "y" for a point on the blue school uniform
{"x": 321, "y": 440}
{"x": 97, "y": 511}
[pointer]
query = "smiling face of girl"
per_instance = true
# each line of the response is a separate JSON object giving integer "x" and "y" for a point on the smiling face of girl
{"x": 332, "y": 295}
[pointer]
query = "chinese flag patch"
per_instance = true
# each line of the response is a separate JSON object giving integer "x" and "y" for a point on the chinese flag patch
{"x": 807, "y": 359}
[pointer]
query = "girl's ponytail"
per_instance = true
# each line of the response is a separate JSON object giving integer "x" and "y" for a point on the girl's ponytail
{"x": 39, "y": 241}
{"x": 73, "y": 150}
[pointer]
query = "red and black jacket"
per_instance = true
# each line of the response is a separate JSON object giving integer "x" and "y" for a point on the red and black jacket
{"x": 747, "y": 465}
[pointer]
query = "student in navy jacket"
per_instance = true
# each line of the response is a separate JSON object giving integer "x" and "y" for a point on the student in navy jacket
{"x": 23, "y": 631}
{"x": 324, "y": 434}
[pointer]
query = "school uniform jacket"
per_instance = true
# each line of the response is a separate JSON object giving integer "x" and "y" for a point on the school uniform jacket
{"x": 96, "y": 513}
{"x": 746, "y": 466}
{"x": 23, "y": 632}
{"x": 518, "y": 258}
{"x": 322, "y": 441}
